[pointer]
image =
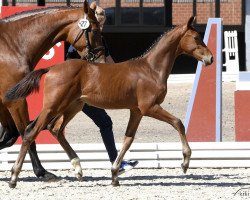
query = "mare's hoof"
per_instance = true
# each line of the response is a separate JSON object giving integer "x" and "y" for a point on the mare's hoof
{"x": 184, "y": 168}
{"x": 12, "y": 184}
{"x": 48, "y": 176}
{"x": 115, "y": 183}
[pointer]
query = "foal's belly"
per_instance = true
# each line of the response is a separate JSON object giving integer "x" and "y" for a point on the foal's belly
{"x": 110, "y": 102}
{"x": 109, "y": 90}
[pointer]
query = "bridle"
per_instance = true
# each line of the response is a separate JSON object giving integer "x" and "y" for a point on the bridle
{"x": 92, "y": 54}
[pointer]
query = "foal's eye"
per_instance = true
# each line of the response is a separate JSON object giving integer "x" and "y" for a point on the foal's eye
{"x": 197, "y": 38}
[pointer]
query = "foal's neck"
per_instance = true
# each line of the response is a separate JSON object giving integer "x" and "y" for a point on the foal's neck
{"x": 162, "y": 56}
{"x": 39, "y": 32}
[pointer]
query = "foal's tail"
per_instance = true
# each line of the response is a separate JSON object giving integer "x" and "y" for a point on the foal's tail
{"x": 29, "y": 84}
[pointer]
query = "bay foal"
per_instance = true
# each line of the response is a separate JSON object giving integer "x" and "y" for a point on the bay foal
{"x": 139, "y": 85}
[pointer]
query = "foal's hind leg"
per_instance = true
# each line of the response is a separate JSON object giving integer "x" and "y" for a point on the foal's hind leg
{"x": 57, "y": 130}
{"x": 30, "y": 135}
{"x": 159, "y": 113}
{"x": 19, "y": 113}
{"x": 135, "y": 118}
{"x": 74, "y": 159}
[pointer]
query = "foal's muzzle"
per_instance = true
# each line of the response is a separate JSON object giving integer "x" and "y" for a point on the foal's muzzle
{"x": 208, "y": 60}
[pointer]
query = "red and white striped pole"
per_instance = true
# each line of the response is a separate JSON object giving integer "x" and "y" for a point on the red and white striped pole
{"x": 203, "y": 117}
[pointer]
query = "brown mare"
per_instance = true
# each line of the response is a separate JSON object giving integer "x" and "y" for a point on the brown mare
{"x": 24, "y": 39}
{"x": 139, "y": 85}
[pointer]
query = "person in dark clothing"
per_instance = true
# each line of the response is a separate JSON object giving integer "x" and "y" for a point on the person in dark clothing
{"x": 101, "y": 118}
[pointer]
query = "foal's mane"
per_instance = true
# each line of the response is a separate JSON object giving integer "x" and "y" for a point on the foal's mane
{"x": 29, "y": 13}
{"x": 157, "y": 41}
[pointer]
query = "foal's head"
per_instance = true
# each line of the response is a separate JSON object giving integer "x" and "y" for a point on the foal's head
{"x": 192, "y": 44}
{"x": 79, "y": 39}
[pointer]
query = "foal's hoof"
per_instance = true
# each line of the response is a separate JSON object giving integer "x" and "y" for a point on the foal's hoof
{"x": 47, "y": 176}
{"x": 79, "y": 177}
{"x": 12, "y": 184}
{"x": 184, "y": 168}
{"x": 115, "y": 183}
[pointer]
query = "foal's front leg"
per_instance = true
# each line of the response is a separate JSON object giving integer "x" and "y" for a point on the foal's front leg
{"x": 159, "y": 113}
{"x": 135, "y": 118}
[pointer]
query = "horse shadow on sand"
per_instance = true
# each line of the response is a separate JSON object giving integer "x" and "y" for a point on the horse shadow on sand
{"x": 152, "y": 180}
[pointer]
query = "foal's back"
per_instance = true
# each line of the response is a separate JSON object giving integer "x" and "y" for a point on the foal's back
{"x": 101, "y": 85}
{"x": 110, "y": 86}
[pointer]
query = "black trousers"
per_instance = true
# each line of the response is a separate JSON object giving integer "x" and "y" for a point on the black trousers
{"x": 104, "y": 122}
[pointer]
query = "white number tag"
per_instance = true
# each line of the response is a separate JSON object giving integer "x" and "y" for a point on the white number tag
{"x": 83, "y": 24}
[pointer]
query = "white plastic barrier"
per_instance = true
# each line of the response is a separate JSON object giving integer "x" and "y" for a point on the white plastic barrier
{"x": 231, "y": 52}
{"x": 149, "y": 155}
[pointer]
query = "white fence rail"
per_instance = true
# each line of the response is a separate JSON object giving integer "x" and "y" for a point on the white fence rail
{"x": 150, "y": 155}
{"x": 189, "y": 78}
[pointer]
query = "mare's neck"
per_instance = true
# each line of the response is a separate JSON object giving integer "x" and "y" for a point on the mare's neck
{"x": 162, "y": 56}
{"x": 41, "y": 32}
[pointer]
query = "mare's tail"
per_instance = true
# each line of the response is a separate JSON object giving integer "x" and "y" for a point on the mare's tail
{"x": 29, "y": 84}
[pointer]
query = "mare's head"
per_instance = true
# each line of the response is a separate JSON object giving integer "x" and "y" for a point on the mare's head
{"x": 192, "y": 44}
{"x": 83, "y": 42}
{"x": 100, "y": 15}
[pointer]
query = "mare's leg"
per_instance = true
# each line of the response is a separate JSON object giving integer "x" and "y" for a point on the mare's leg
{"x": 159, "y": 113}
{"x": 135, "y": 118}
{"x": 19, "y": 113}
{"x": 30, "y": 135}
{"x": 57, "y": 129}
{"x": 8, "y": 130}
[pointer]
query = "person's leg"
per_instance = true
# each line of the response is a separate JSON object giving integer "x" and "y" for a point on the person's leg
{"x": 104, "y": 122}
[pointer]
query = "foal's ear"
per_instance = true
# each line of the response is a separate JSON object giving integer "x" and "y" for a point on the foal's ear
{"x": 85, "y": 6}
{"x": 189, "y": 24}
{"x": 93, "y": 5}
{"x": 191, "y": 21}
